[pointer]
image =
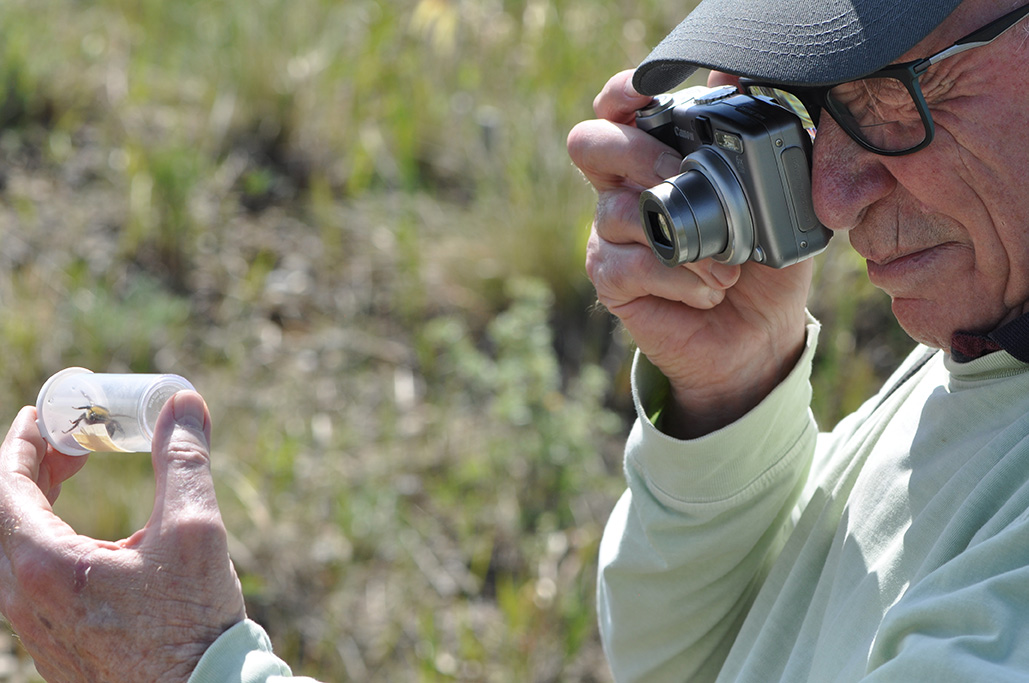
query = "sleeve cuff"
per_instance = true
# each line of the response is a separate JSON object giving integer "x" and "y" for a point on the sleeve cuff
{"x": 243, "y": 654}
{"x": 731, "y": 461}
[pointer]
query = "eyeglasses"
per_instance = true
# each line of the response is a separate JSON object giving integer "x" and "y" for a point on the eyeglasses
{"x": 884, "y": 112}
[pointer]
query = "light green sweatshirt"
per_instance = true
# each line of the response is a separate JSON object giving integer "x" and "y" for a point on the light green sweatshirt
{"x": 895, "y": 548}
{"x": 243, "y": 654}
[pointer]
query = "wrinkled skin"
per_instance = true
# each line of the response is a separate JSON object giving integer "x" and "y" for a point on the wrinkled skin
{"x": 944, "y": 231}
{"x": 723, "y": 335}
{"x": 141, "y": 609}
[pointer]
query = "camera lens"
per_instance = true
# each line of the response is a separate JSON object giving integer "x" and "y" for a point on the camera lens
{"x": 661, "y": 231}
{"x": 701, "y": 213}
{"x": 684, "y": 219}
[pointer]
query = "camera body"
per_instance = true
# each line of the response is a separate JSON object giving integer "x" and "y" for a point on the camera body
{"x": 744, "y": 188}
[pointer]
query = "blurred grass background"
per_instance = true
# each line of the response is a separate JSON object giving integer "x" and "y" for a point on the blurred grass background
{"x": 354, "y": 227}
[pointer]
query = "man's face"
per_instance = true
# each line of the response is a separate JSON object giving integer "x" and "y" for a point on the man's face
{"x": 945, "y": 231}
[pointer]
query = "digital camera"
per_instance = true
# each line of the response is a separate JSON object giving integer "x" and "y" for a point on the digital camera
{"x": 744, "y": 188}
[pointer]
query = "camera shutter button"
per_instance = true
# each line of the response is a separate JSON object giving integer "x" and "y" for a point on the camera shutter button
{"x": 658, "y": 104}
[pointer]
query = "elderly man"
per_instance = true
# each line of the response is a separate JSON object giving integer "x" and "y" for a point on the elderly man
{"x": 750, "y": 547}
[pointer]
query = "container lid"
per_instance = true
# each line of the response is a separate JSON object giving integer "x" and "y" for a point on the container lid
{"x": 62, "y": 442}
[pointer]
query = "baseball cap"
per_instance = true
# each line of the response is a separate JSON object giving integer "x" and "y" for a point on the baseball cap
{"x": 792, "y": 42}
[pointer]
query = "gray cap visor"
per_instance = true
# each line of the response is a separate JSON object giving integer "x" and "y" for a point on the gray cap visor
{"x": 792, "y": 42}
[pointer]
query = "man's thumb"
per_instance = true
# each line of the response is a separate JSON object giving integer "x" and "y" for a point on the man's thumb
{"x": 181, "y": 455}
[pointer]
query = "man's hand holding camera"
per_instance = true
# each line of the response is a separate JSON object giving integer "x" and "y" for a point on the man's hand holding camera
{"x": 724, "y": 335}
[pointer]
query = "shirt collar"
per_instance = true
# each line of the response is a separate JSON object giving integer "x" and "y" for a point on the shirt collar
{"x": 1012, "y": 337}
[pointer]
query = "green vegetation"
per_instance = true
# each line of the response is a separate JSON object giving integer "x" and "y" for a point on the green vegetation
{"x": 354, "y": 227}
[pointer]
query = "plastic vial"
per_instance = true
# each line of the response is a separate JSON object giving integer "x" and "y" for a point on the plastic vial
{"x": 79, "y": 411}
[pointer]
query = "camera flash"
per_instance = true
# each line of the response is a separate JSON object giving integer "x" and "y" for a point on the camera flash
{"x": 729, "y": 142}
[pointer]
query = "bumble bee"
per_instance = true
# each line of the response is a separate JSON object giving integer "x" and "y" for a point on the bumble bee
{"x": 96, "y": 415}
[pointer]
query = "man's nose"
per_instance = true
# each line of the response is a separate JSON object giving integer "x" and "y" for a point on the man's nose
{"x": 845, "y": 178}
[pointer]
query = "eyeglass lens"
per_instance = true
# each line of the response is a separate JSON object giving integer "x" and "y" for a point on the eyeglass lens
{"x": 881, "y": 111}
{"x": 789, "y": 101}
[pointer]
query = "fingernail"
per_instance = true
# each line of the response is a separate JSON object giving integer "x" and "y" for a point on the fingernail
{"x": 725, "y": 275}
{"x": 668, "y": 164}
{"x": 629, "y": 89}
{"x": 188, "y": 413}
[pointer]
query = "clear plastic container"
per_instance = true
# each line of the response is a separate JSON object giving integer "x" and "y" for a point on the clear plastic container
{"x": 79, "y": 411}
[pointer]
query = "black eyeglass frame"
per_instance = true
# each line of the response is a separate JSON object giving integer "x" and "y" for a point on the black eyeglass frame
{"x": 817, "y": 98}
